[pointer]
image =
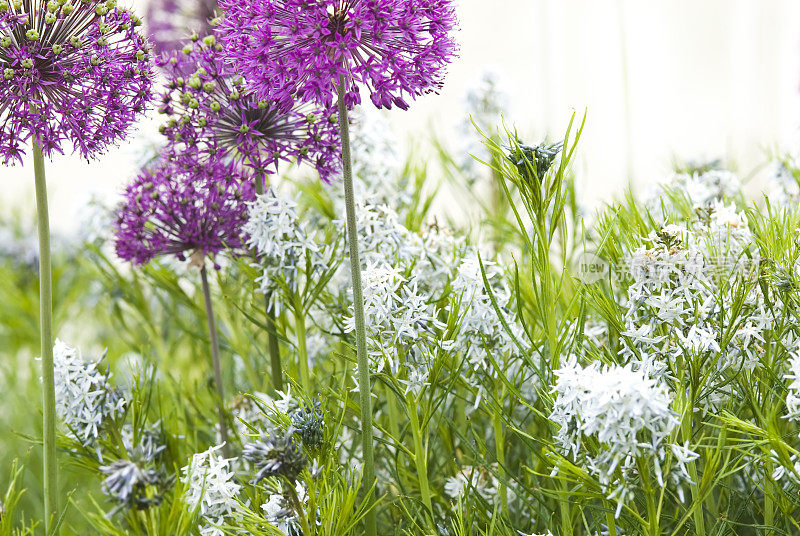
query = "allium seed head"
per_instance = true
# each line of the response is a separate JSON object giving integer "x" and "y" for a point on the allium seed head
{"x": 211, "y": 113}
{"x": 394, "y": 48}
{"x": 74, "y": 72}
{"x": 184, "y": 210}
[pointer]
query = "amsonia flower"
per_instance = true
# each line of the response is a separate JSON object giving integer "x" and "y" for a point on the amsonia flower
{"x": 211, "y": 113}
{"x": 395, "y": 48}
{"x": 183, "y": 210}
{"x": 171, "y": 22}
{"x": 71, "y": 72}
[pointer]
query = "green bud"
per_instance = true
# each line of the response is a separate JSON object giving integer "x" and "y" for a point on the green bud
{"x": 141, "y": 55}
{"x": 154, "y": 195}
{"x": 195, "y": 82}
{"x": 49, "y": 18}
{"x": 102, "y": 41}
{"x": 111, "y": 4}
{"x": 209, "y": 40}
{"x": 234, "y": 95}
{"x": 304, "y": 151}
{"x": 4, "y": 6}
{"x": 262, "y": 105}
{"x": 17, "y": 5}
{"x": 180, "y": 82}
{"x": 52, "y": 6}
{"x": 5, "y": 42}
{"x": 193, "y": 104}
{"x": 32, "y": 35}
{"x": 58, "y": 49}
{"x": 75, "y": 42}
{"x": 104, "y": 28}
{"x": 215, "y": 106}
{"x": 311, "y": 118}
{"x": 67, "y": 9}
{"x": 27, "y": 63}
{"x": 201, "y": 71}
{"x": 216, "y": 21}
{"x": 333, "y": 119}
{"x": 202, "y": 122}
{"x": 162, "y": 129}
{"x": 8, "y": 74}
{"x": 147, "y": 186}
{"x": 244, "y": 129}
{"x": 187, "y": 49}
{"x": 208, "y": 87}
{"x": 101, "y": 10}
{"x": 194, "y": 37}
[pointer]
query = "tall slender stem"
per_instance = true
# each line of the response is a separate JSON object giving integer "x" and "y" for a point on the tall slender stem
{"x": 364, "y": 388}
{"x": 212, "y": 335}
{"x": 272, "y": 333}
{"x": 46, "y": 341}
{"x": 302, "y": 350}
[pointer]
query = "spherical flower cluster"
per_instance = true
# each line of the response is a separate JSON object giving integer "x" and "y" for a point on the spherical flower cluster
{"x": 134, "y": 484}
{"x": 275, "y": 455}
{"x": 395, "y": 48}
{"x": 211, "y": 113}
{"x": 178, "y": 209}
{"x": 171, "y": 22}
{"x": 73, "y": 71}
{"x": 624, "y": 411}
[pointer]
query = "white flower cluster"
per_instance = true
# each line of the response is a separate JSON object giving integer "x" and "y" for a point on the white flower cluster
{"x": 402, "y": 324}
{"x": 211, "y": 490}
{"x": 284, "y": 245}
{"x": 84, "y": 397}
{"x": 625, "y": 411}
{"x": 682, "y": 278}
{"x": 482, "y": 329}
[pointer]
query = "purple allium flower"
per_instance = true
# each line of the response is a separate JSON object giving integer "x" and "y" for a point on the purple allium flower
{"x": 213, "y": 115}
{"x": 396, "y": 48}
{"x": 72, "y": 71}
{"x": 171, "y": 22}
{"x": 184, "y": 210}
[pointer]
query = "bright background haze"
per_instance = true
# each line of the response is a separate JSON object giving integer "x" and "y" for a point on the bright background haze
{"x": 659, "y": 79}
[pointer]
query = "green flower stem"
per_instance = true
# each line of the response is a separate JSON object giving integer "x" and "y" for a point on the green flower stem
{"x": 46, "y": 341}
{"x": 420, "y": 457}
{"x": 499, "y": 448}
{"x": 272, "y": 333}
{"x": 364, "y": 388}
{"x": 212, "y": 335}
{"x": 298, "y": 508}
{"x": 302, "y": 352}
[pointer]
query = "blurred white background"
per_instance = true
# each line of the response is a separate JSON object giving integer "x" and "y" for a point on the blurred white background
{"x": 659, "y": 78}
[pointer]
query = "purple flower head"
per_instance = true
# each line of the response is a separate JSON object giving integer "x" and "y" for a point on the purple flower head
{"x": 394, "y": 48}
{"x": 74, "y": 71}
{"x": 183, "y": 210}
{"x": 171, "y": 22}
{"x": 211, "y": 114}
